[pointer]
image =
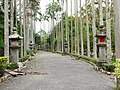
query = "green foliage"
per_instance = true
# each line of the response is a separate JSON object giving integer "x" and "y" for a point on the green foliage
{"x": 51, "y": 10}
{"x": 37, "y": 39}
{"x": 1, "y": 32}
{"x": 24, "y": 58}
{"x": 54, "y": 41}
{"x": 12, "y": 65}
{"x": 117, "y": 68}
{"x": 93, "y": 60}
{"x": 34, "y": 6}
{"x": 109, "y": 67}
{"x": 28, "y": 52}
{"x": 86, "y": 58}
{"x": 3, "y": 65}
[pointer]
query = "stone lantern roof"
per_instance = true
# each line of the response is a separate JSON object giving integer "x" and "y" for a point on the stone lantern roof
{"x": 14, "y": 35}
{"x": 101, "y": 35}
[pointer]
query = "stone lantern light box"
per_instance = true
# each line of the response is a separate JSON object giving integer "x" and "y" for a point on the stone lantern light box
{"x": 101, "y": 37}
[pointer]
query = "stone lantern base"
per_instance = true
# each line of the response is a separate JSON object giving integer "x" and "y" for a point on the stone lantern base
{"x": 14, "y": 54}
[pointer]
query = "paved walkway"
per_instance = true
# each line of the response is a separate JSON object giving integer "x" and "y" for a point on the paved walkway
{"x": 63, "y": 74}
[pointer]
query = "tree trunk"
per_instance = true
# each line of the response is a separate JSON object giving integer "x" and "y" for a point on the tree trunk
{"x": 24, "y": 26}
{"x": 88, "y": 34}
{"x": 15, "y": 14}
{"x": 6, "y": 29}
{"x": 81, "y": 31}
{"x": 31, "y": 25}
{"x": 94, "y": 29}
{"x": 27, "y": 25}
{"x": 62, "y": 28}
{"x": 75, "y": 11}
{"x": 21, "y": 31}
{"x": 59, "y": 33}
{"x": 52, "y": 23}
{"x": 108, "y": 25}
{"x": 34, "y": 30}
{"x": 71, "y": 29}
{"x": 116, "y": 8}
{"x": 11, "y": 16}
{"x": 67, "y": 32}
{"x": 77, "y": 32}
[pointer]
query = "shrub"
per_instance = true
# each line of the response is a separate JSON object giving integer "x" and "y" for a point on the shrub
{"x": 29, "y": 52}
{"x": 93, "y": 60}
{"x": 109, "y": 67}
{"x": 86, "y": 58}
{"x": 24, "y": 58}
{"x": 3, "y": 65}
{"x": 117, "y": 69}
{"x": 12, "y": 65}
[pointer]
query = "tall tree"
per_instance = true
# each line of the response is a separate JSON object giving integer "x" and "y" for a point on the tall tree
{"x": 108, "y": 25}
{"x": 116, "y": 9}
{"x": 11, "y": 16}
{"x": 6, "y": 29}
{"x": 81, "y": 30}
{"x": 21, "y": 30}
{"x": 77, "y": 32}
{"x": 59, "y": 33}
{"x": 24, "y": 26}
{"x": 87, "y": 27}
{"x": 71, "y": 28}
{"x": 76, "y": 14}
{"x": 27, "y": 24}
{"x": 34, "y": 27}
{"x": 57, "y": 30}
{"x": 62, "y": 27}
{"x": 51, "y": 10}
{"x": 67, "y": 32}
{"x": 94, "y": 29}
{"x": 31, "y": 18}
{"x": 15, "y": 14}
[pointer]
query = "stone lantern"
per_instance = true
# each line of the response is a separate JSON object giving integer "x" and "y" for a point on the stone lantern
{"x": 66, "y": 47}
{"x": 31, "y": 46}
{"x": 14, "y": 46}
{"x": 101, "y": 45}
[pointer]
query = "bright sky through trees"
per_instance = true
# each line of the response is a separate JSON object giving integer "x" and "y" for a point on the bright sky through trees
{"x": 45, "y": 25}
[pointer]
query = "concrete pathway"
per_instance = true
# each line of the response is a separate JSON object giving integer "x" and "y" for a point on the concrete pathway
{"x": 63, "y": 74}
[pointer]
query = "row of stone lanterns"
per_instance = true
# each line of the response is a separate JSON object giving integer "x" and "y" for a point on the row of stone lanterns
{"x": 14, "y": 45}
